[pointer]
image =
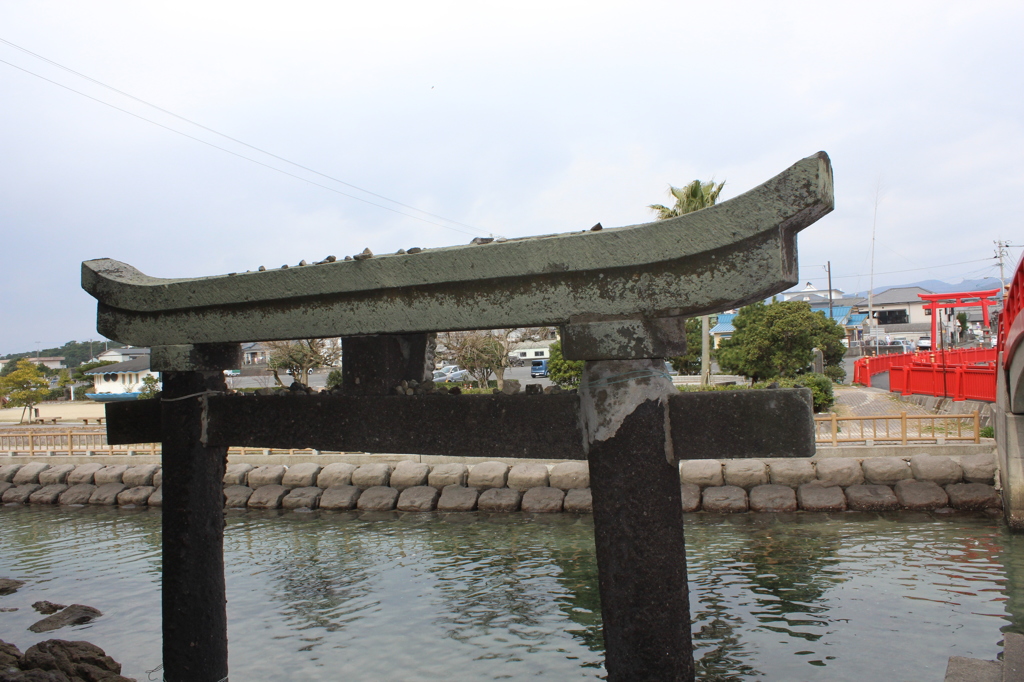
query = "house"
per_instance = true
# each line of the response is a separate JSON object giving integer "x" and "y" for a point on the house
{"x": 123, "y": 355}
{"x": 256, "y": 353}
{"x": 532, "y": 350}
{"x": 900, "y": 305}
{"x": 52, "y": 363}
{"x": 121, "y": 381}
{"x": 723, "y": 328}
{"x": 812, "y": 295}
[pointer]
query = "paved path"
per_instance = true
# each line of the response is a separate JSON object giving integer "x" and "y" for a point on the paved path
{"x": 856, "y": 401}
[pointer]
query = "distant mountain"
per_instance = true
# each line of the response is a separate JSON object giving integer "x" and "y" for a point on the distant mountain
{"x": 939, "y": 287}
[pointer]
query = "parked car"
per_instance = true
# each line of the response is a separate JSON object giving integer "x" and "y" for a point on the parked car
{"x": 450, "y": 373}
{"x": 924, "y": 343}
{"x": 458, "y": 375}
{"x": 539, "y": 368}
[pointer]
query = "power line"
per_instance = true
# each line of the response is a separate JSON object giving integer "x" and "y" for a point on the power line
{"x": 931, "y": 267}
{"x": 476, "y": 230}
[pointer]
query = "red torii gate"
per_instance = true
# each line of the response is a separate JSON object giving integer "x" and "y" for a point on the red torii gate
{"x": 958, "y": 300}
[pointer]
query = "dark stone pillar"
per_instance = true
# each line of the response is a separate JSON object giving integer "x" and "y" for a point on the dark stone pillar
{"x": 195, "y": 643}
{"x": 374, "y": 365}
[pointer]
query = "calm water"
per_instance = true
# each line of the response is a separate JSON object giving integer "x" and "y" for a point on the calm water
{"x": 321, "y": 596}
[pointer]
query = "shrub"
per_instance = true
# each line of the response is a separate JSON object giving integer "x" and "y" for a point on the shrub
{"x": 987, "y": 432}
{"x": 836, "y": 373}
{"x": 334, "y": 378}
{"x": 820, "y": 385}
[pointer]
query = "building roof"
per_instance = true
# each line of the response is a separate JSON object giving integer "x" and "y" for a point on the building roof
{"x": 724, "y": 324}
{"x": 910, "y": 328}
{"x": 899, "y": 295}
{"x": 134, "y": 365}
{"x": 45, "y": 359}
{"x": 857, "y": 319}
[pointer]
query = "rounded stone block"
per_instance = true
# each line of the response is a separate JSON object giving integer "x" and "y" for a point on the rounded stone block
{"x": 137, "y": 495}
{"x": 267, "y": 497}
{"x": 579, "y": 501}
{"x": 29, "y": 473}
{"x": 263, "y": 476}
{"x": 543, "y": 500}
{"x": 498, "y": 500}
{"x": 443, "y": 475}
{"x": 816, "y": 497}
{"x": 487, "y": 475}
{"x": 690, "y": 492}
{"x": 237, "y": 496}
{"x": 340, "y": 497}
{"x": 84, "y": 473}
{"x": 884, "y": 471}
{"x": 420, "y": 498}
{"x": 569, "y": 476}
{"x": 745, "y": 473}
{"x": 301, "y": 475}
{"x": 77, "y": 494}
{"x": 56, "y": 474}
{"x": 306, "y": 497}
{"x": 920, "y": 495}
{"x": 7, "y": 472}
{"x": 979, "y": 468}
{"x": 372, "y": 476}
{"x": 19, "y": 494}
{"x": 48, "y": 494}
{"x": 139, "y": 476}
{"x": 409, "y": 475}
{"x": 378, "y": 498}
{"x": 940, "y": 470}
{"x": 106, "y": 494}
{"x": 158, "y": 480}
{"x": 4, "y": 487}
{"x": 110, "y": 474}
{"x": 772, "y": 498}
{"x": 334, "y": 475}
{"x": 971, "y": 496}
{"x": 839, "y": 471}
{"x": 523, "y": 477}
{"x": 704, "y": 473}
{"x": 871, "y": 497}
{"x": 237, "y": 474}
{"x": 157, "y": 498}
{"x": 457, "y": 498}
{"x": 793, "y": 473}
{"x": 724, "y": 499}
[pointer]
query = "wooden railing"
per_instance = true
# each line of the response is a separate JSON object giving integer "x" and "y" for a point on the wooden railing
{"x": 897, "y": 429}
{"x": 80, "y": 442}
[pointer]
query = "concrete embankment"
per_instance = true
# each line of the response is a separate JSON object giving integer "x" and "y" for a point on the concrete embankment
{"x": 825, "y": 484}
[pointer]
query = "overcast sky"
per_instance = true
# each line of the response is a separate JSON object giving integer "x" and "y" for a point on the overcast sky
{"x": 513, "y": 119}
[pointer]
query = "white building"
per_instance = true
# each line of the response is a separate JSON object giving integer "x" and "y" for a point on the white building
{"x": 121, "y": 381}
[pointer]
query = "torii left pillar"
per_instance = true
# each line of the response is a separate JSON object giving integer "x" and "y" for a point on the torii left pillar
{"x": 195, "y": 642}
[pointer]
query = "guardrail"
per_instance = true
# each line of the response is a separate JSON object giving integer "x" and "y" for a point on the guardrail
{"x": 83, "y": 443}
{"x": 902, "y": 429}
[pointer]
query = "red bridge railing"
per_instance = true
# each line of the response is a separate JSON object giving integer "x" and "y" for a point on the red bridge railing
{"x": 1011, "y": 322}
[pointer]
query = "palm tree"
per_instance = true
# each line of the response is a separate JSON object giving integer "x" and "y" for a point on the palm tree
{"x": 690, "y": 198}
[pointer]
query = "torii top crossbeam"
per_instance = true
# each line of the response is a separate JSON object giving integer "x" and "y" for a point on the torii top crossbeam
{"x": 965, "y": 299}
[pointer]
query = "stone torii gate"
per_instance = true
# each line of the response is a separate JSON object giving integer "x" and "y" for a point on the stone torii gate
{"x": 620, "y": 296}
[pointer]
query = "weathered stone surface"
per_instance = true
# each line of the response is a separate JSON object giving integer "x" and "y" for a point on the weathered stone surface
{"x": 569, "y": 476}
{"x": 107, "y": 493}
{"x": 580, "y": 501}
{"x": 487, "y": 475}
{"x": 307, "y": 497}
{"x": 378, "y": 498}
{"x": 110, "y": 474}
{"x": 340, "y": 497}
{"x": 979, "y": 468}
{"x": 272, "y": 474}
{"x": 963, "y": 669}
{"x": 301, "y": 475}
{"x": 71, "y": 661}
{"x": 793, "y": 473}
{"x": 885, "y": 470}
{"x": 871, "y": 497}
{"x": 4, "y": 487}
{"x": 237, "y": 496}
{"x": 772, "y": 498}
{"x": 409, "y": 475}
{"x": 237, "y": 474}
{"x": 819, "y": 497}
{"x": 9, "y": 657}
{"x": 940, "y": 470}
{"x": 141, "y": 475}
{"x": 523, "y": 477}
{"x": 7, "y": 472}
{"x": 77, "y": 494}
{"x": 267, "y": 497}
{"x": 920, "y": 495}
{"x": 704, "y": 473}
{"x": 47, "y": 607}
{"x": 48, "y": 494}
{"x": 973, "y": 496}
{"x": 841, "y": 471}
{"x": 420, "y": 498}
{"x": 691, "y": 497}
{"x": 745, "y": 473}
{"x": 543, "y": 500}
{"x": 83, "y": 473}
{"x": 334, "y": 475}
{"x": 137, "y": 495}
{"x": 726, "y": 498}
{"x": 372, "y": 476}
{"x": 457, "y": 498}
{"x": 76, "y": 614}
{"x": 10, "y": 585}
{"x": 443, "y": 475}
{"x": 19, "y": 494}
{"x": 56, "y": 474}
{"x": 498, "y": 500}
{"x": 29, "y": 473}
{"x": 157, "y": 498}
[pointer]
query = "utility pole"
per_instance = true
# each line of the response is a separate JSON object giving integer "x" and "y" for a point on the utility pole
{"x": 1001, "y": 254}
{"x": 828, "y": 267}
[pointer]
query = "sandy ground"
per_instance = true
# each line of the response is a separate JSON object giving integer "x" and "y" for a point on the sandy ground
{"x": 69, "y": 411}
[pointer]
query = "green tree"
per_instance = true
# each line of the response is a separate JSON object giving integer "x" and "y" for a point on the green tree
{"x": 299, "y": 357}
{"x": 562, "y": 372}
{"x": 150, "y": 387}
{"x": 689, "y": 364}
{"x": 24, "y": 387}
{"x": 777, "y": 340}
